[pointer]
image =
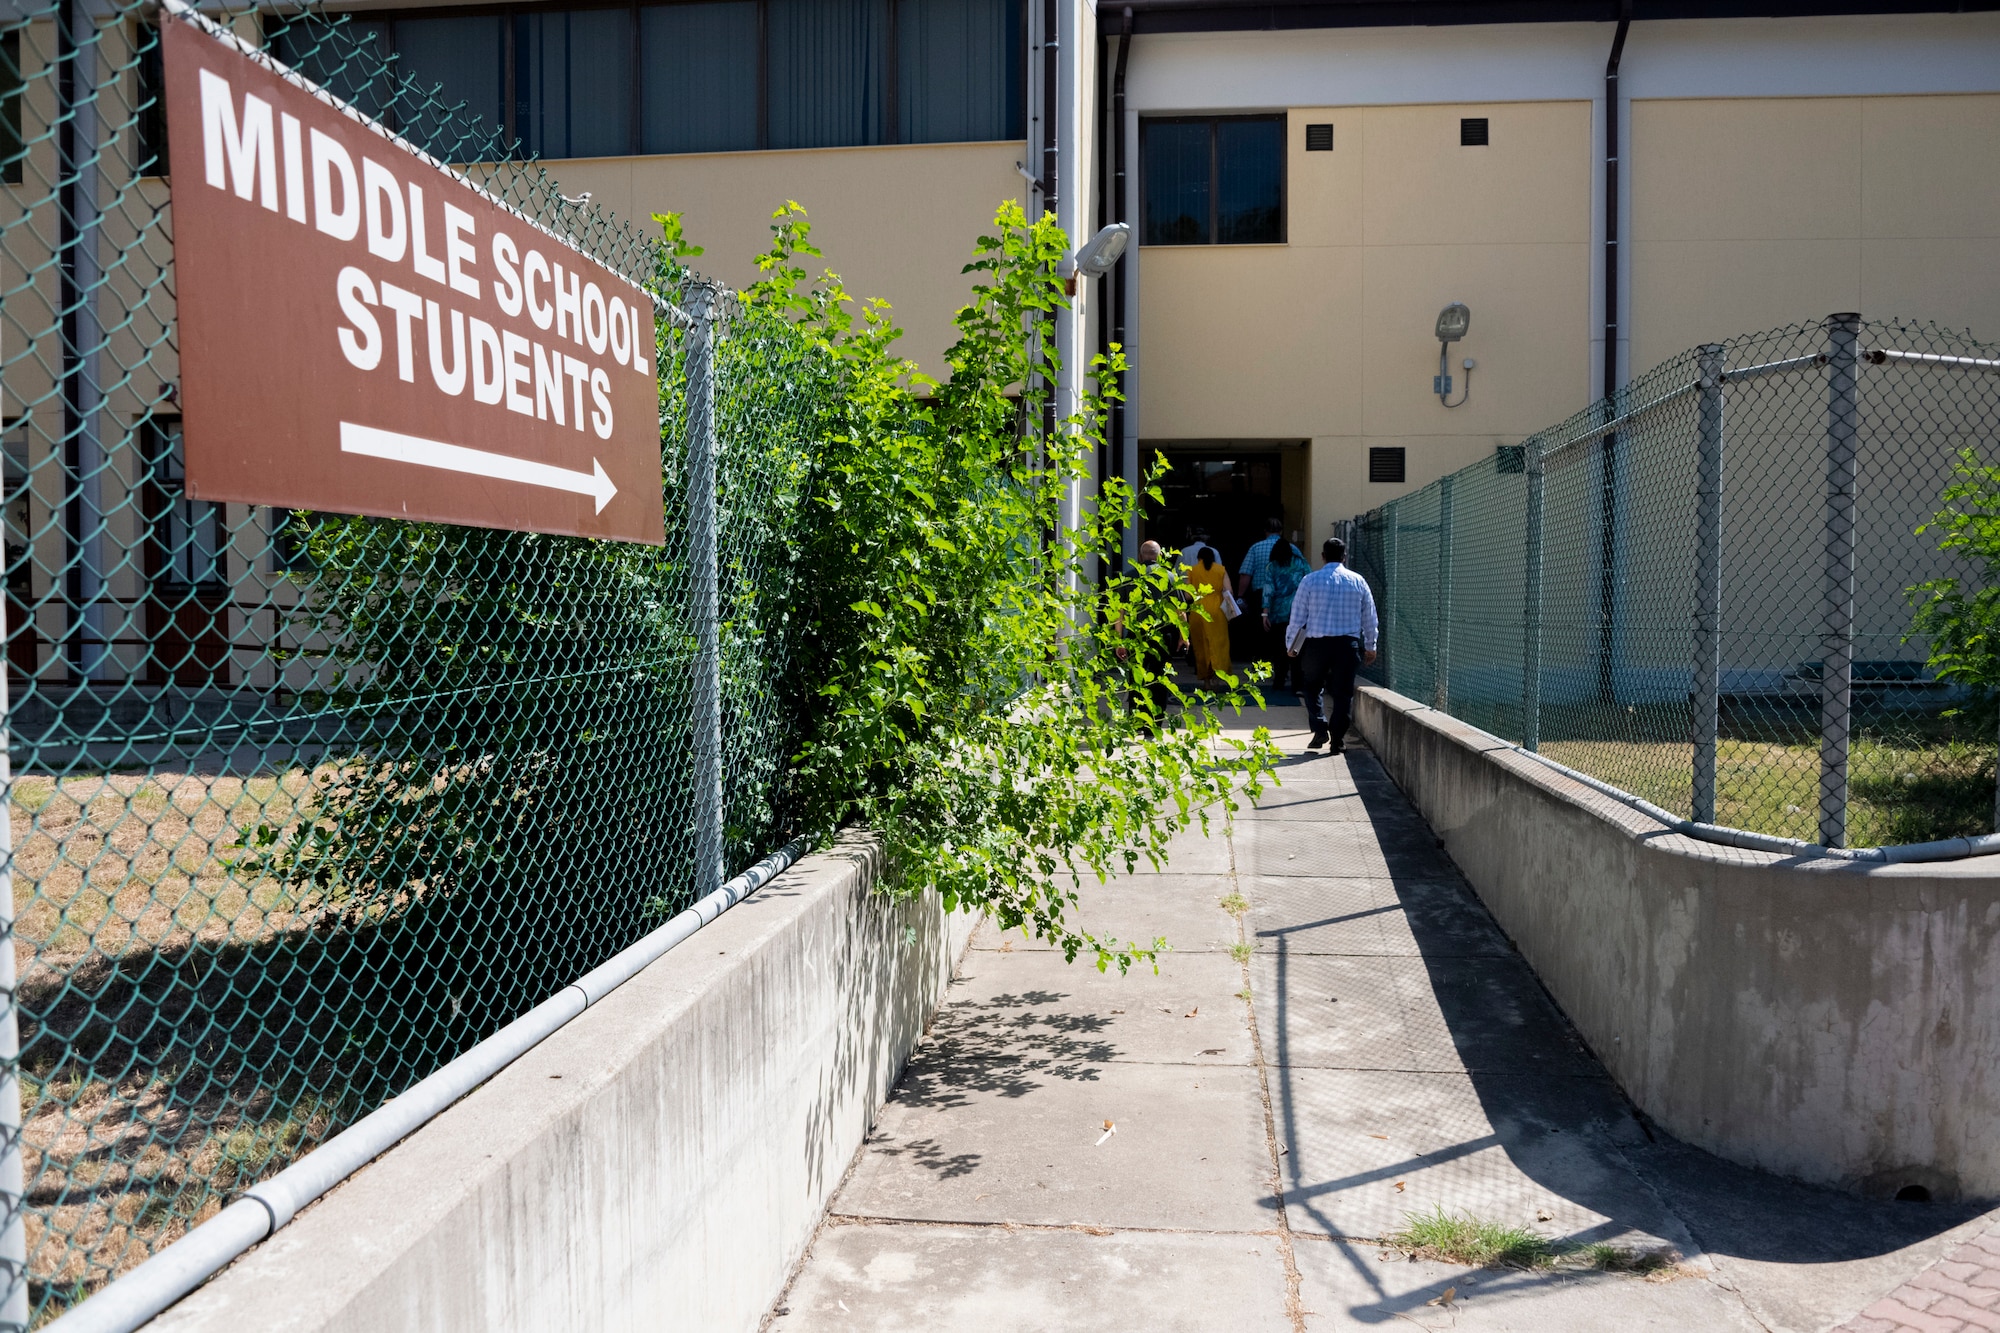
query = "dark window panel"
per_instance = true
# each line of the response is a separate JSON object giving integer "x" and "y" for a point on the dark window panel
{"x": 957, "y": 70}
{"x": 828, "y": 77}
{"x": 1178, "y": 159}
{"x": 460, "y": 58}
{"x": 701, "y": 77}
{"x": 13, "y": 156}
{"x": 1472, "y": 132}
{"x": 574, "y": 70}
{"x": 343, "y": 56}
{"x": 1250, "y": 187}
{"x": 149, "y": 107}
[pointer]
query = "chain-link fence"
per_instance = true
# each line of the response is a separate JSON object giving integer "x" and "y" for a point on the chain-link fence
{"x": 1728, "y": 590}
{"x": 305, "y": 805}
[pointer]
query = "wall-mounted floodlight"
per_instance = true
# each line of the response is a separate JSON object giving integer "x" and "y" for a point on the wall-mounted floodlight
{"x": 1453, "y": 323}
{"x": 1099, "y": 254}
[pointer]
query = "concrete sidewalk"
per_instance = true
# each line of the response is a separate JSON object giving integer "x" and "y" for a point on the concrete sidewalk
{"x": 1215, "y": 1146}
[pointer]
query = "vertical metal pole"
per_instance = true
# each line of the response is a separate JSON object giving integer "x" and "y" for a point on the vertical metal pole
{"x": 1607, "y": 561}
{"x": 13, "y": 1180}
{"x": 1531, "y": 610}
{"x": 78, "y": 149}
{"x": 1707, "y": 711}
{"x": 1836, "y": 677}
{"x": 1442, "y": 686}
{"x": 706, "y": 592}
{"x": 1394, "y": 527}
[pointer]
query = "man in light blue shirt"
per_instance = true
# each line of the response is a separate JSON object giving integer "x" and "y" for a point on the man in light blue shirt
{"x": 1254, "y": 562}
{"x": 1332, "y": 633}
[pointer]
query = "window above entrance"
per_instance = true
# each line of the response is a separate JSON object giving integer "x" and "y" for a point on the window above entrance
{"x": 1213, "y": 180}
{"x": 610, "y": 80}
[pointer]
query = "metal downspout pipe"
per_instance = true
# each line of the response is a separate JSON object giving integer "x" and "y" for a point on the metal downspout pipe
{"x": 1115, "y": 426}
{"x": 1607, "y": 584}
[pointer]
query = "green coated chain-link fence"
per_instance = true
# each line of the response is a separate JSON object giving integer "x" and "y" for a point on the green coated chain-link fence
{"x": 1711, "y": 591}
{"x": 305, "y": 805}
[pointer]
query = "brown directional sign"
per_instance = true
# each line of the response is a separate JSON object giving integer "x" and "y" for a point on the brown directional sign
{"x": 363, "y": 331}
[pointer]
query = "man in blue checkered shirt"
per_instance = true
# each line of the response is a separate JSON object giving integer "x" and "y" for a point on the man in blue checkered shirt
{"x": 1332, "y": 633}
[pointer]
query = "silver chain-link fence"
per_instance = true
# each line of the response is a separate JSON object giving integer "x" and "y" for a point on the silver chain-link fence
{"x": 1749, "y": 589}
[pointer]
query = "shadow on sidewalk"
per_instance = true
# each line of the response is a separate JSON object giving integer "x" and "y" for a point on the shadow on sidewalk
{"x": 1540, "y": 1116}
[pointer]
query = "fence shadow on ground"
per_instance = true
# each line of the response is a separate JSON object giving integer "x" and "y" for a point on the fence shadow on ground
{"x": 1546, "y": 1103}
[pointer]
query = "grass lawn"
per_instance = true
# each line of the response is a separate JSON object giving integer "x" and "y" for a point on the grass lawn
{"x": 115, "y": 867}
{"x": 1900, "y": 789}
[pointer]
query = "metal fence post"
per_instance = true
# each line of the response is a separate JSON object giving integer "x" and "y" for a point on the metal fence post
{"x": 1531, "y": 610}
{"x": 14, "y": 1311}
{"x": 1836, "y": 671}
{"x": 705, "y": 592}
{"x": 1707, "y": 713}
{"x": 1442, "y": 686}
{"x": 1393, "y": 529}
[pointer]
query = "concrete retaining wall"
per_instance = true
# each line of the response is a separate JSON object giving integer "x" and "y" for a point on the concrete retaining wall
{"x": 658, "y": 1164}
{"x": 1828, "y": 1020}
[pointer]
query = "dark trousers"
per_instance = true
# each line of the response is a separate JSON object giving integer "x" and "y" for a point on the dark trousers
{"x": 1328, "y": 664}
{"x": 1283, "y": 668}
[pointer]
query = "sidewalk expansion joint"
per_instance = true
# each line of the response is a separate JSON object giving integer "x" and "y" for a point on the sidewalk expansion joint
{"x": 1295, "y": 1305}
{"x": 1086, "y": 1228}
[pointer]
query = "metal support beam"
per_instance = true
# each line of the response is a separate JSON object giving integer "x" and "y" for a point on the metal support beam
{"x": 1707, "y": 701}
{"x": 1392, "y": 529}
{"x": 1441, "y": 687}
{"x": 1836, "y": 671}
{"x": 79, "y": 146}
{"x": 706, "y": 593}
{"x": 1531, "y": 599}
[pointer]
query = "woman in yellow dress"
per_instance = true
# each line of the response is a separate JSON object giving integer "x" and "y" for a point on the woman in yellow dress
{"x": 1208, "y": 632}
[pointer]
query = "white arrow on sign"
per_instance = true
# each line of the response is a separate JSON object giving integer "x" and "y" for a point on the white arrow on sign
{"x": 399, "y": 448}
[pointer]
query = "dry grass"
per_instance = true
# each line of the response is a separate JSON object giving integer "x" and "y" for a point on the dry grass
{"x": 114, "y": 1171}
{"x": 105, "y": 864}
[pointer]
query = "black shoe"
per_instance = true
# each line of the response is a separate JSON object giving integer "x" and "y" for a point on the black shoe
{"x": 1338, "y": 749}
{"x": 1320, "y": 738}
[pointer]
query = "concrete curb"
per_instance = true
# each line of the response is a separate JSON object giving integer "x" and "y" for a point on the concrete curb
{"x": 660, "y": 1165}
{"x": 1831, "y": 1020}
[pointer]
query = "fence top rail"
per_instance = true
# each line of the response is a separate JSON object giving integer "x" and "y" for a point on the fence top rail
{"x": 1545, "y": 445}
{"x": 1883, "y": 356}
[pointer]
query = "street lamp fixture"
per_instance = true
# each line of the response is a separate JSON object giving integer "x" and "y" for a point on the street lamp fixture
{"x": 1453, "y": 322}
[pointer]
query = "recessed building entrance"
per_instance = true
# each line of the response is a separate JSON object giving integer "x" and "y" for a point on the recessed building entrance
{"x": 1228, "y": 489}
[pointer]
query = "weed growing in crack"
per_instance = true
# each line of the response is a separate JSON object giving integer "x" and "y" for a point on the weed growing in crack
{"x": 1477, "y": 1243}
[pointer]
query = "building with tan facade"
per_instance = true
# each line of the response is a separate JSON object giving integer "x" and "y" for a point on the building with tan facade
{"x": 1308, "y": 183}
{"x": 1311, "y": 182}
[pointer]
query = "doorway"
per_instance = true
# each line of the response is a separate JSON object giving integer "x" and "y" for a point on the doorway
{"x": 1228, "y": 488}
{"x": 187, "y": 587}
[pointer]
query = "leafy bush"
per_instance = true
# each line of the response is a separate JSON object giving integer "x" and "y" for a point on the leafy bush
{"x": 960, "y": 666}
{"x": 988, "y": 695}
{"x": 1963, "y": 622}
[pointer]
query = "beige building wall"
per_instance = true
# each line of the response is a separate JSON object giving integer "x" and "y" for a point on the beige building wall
{"x": 897, "y": 222}
{"x": 1329, "y": 335}
{"x": 1885, "y": 205}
